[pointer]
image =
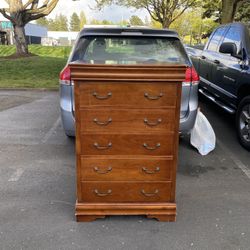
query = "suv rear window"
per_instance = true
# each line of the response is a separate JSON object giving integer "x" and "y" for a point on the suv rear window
{"x": 130, "y": 50}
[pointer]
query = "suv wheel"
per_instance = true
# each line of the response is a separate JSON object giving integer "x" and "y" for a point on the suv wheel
{"x": 243, "y": 122}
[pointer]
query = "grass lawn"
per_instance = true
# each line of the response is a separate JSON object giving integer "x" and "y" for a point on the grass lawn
{"x": 31, "y": 72}
{"x": 51, "y": 51}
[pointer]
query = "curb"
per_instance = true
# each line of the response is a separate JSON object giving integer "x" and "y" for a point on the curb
{"x": 29, "y": 89}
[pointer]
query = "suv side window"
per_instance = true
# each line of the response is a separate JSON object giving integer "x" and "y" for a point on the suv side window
{"x": 214, "y": 42}
{"x": 234, "y": 36}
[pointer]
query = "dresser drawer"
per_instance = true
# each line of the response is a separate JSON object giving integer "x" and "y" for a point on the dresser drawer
{"x": 133, "y": 95}
{"x": 119, "y": 144}
{"x": 125, "y": 191}
{"x": 127, "y": 120}
{"x": 125, "y": 169}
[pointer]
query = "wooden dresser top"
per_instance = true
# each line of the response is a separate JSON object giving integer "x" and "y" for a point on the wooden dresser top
{"x": 165, "y": 73}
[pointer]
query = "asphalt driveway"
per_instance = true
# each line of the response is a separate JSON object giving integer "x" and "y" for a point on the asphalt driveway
{"x": 37, "y": 188}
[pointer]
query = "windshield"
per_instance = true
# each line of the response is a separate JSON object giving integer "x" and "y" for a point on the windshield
{"x": 130, "y": 50}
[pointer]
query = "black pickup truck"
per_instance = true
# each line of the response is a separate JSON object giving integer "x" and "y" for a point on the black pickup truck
{"x": 224, "y": 69}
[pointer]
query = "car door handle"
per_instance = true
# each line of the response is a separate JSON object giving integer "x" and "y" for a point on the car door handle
{"x": 203, "y": 57}
{"x": 216, "y": 61}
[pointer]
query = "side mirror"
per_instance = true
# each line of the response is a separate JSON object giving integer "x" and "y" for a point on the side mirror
{"x": 229, "y": 48}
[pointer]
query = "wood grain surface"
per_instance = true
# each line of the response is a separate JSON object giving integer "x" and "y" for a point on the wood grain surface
{"x": 127, "y": 130}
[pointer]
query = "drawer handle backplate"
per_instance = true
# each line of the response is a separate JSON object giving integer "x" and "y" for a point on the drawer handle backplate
{"x": 145, "y": 145}
{"x": 109, "y": 192}
{"x": 157, "y": 169}
{"x": 149, "y": 194}
{"x": 99, "y": 171}
{"x": 102, "y": 123}
{"x": 153, "y": 97}
{"x": 95, "y": 94}
{"x": 152, "y": 124}
{"x": 102, "y": 194}
{"x": 97, "y": 146}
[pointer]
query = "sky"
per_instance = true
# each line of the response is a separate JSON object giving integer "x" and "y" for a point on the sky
{"x": 112, "y": 13}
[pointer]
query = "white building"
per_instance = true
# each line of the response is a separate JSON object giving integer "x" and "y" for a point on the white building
{"x": 62, "y": 38}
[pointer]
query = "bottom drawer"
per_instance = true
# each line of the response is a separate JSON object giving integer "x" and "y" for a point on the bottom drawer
{"x": 125, "y": 191}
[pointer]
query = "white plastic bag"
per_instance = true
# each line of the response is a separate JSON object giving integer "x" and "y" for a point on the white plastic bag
{"x": 202, "y": 135}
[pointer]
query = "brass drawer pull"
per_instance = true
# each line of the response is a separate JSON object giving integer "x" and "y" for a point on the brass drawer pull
{"x": 145, "y": 145}
{"x": 151, "y": 124}
{"x": 95, "y": 94}
{"x": 97, "y": 146}
{"x": 99, "y": 171}
{"x": 149, "y": 194}
{"x": 153, "y": 97}
{"x": 102, "y": 123}
{"x": 157, "y": 169}
{"x": 109, "y": 192}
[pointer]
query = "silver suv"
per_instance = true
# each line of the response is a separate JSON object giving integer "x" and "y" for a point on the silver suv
{"x": 129, "y": 46}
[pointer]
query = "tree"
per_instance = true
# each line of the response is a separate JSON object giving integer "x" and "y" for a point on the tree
{"x": 21, "y": 12}
{"x": 212, "y": 9}
{"x": 106, "y": 22}
{"x": 60, "y": 23}
{"x": 83, "y": 19}
{"x": 74, "y": 22}
{"x": 136, "y": 21}
{"x": 43, "y": 21}
{"x": 224, "y": 11}
{"x": 243, "y": 13}
{"x": 192, "y": 28}
{"x": 229, "y": 9}
{"x": 155, "y": 24}
{"x": 162, "y": 11}
{"x": 95, "y": 22}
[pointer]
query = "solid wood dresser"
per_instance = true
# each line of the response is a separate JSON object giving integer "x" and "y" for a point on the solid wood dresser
{"x": 127, "y": 127}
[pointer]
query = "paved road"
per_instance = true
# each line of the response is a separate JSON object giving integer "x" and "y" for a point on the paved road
{"x": 37, "y": 188}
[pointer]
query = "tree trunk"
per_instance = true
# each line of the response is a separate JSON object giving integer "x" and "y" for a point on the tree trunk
{"x": 165, "y": 24}
{"x": 20, "y": 40}
{"x": 228, "y": 11}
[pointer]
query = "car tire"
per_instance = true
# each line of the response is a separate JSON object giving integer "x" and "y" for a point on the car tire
{"x": 243, "y": 122}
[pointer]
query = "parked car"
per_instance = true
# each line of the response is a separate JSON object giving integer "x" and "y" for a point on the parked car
{"x": 129, "y": 46}
{"x": 223, "y": 66}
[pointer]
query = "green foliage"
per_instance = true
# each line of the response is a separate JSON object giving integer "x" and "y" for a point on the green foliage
{"x": 243, "y": 13}
{"x": 74, "y": 22}
{"x": 43, "y": 21}
{"x": 31, "y": 72}
{"x": 106, "y": 22}
{"x": 212, "y": 9}
{"x": 101, "y": 22}
{"x": 162, "y": 11}
{"x": 192, "y": 28}
{"x": 135, "y": 21}
{"x": 60, "y": 23}
{"x": 155, "y": 24}
{"x": 83, "y": 19}
{"x": 123, "y": 23}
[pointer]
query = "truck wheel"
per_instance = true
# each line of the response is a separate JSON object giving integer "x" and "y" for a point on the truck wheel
{"x": 243, "y": 122}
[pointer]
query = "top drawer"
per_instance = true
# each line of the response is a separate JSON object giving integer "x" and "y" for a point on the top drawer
{"x": 142, "y": 95}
